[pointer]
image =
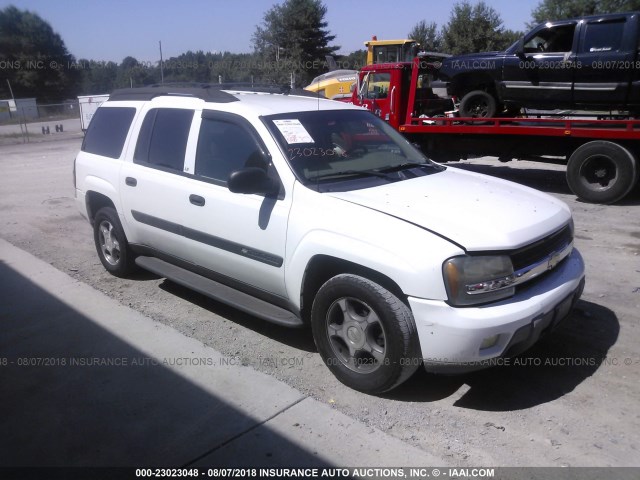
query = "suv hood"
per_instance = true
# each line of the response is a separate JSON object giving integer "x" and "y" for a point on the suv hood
{"x": 475, "y": 211}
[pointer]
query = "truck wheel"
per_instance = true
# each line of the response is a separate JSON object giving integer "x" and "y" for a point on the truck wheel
{"x": 364, "y": 334}
{"x": 478, "y": 104}
{"x": 602, "y": 172}
{"x": 111, "y": 243}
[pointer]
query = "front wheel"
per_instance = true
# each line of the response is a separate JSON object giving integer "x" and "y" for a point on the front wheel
{"x": 364, "y": 334}
{"x": 478, "y": 104}
{"x": 602, "y": 172}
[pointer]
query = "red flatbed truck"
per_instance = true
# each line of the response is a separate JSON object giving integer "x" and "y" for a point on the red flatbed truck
{"x": 602, "y": 155}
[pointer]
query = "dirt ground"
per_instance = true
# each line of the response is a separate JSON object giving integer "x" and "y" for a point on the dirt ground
{"x": 572, "y": 400}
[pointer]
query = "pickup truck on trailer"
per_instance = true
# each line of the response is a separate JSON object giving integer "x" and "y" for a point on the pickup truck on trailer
{"x": 601, "y": 155}
{"x": 580, "y": 63}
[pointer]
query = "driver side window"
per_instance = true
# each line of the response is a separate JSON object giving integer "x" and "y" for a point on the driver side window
{"x": 378, "y": 85}
{"x": 558, "y": 39}
{"x": 224, "y": 147}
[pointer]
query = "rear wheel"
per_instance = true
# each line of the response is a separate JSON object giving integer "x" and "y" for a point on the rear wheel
{"x": 478, "y": 104}
{"x": 111, "y": 243}
{"x": 602, "y": 172}
{"x": 364, "y": 333}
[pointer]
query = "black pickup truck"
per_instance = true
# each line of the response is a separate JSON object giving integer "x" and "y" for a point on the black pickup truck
{"x": 587, "y": 63}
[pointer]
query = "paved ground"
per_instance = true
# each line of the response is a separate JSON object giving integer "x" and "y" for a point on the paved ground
{"x": 572, "y": 400}
{"x": 90, "y": 382}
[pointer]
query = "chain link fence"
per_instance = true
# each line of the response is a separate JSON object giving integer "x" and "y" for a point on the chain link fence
{"x": 35, "y": 123}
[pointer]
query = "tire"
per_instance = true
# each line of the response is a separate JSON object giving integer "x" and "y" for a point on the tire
{"x": 602, "y": 172}
{"x": 374, "y": 348}
{"x": 111, "y": 243}
{"x": 478, "y": 104}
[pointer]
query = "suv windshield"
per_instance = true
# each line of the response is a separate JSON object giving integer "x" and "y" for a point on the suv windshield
{"x": 338, "y": 146}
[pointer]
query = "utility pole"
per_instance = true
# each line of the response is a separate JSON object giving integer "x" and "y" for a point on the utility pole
{"x": 161, "y": 69}
{"x": 25, "y": 131}
{"x": 11, "y": 91}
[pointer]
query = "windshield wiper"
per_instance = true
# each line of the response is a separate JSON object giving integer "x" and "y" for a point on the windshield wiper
{"x": 350, "y": 173}
{"x": 404, "y": 166}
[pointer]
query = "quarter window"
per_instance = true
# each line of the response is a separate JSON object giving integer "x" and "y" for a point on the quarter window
{"x": 162, "y": 141}
{"x": 108, "y": 131}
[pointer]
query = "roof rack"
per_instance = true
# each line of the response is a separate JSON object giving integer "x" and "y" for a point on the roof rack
{"x": 210, "y": 92}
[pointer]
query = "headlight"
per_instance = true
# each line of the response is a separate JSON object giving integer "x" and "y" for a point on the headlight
{"x": 472, "y": 280}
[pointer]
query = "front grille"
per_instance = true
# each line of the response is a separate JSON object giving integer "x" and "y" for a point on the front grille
{"x": 532, "y": 254}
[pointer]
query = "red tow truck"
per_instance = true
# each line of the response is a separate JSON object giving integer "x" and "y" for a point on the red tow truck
{"x": 601, "y": 152}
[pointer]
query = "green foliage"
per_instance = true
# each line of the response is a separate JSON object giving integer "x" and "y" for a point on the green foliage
{"x": 96, "y": 77}
{"x": 474, "y": 28}
{"x": 560, "y": 9}
{"x": 293, "y": 38}
{"x": 354, "y": 61}
{"x": 34, "y": 58}
{"x": 427, "y": 35}
{"x": 509, "y": 37}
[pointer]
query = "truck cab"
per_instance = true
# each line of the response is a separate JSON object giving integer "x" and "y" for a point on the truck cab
{"x": 399, "y": 91}
{"x": 581, "y": 63}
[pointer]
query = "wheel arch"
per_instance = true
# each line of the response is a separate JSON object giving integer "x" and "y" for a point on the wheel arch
{"x": 467, "y": 82}
{"x": 95, "y": 201}
{"x": 322, "y": 267}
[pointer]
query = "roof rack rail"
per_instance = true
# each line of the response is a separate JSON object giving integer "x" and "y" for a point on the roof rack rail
{"x": 210, "y": 92}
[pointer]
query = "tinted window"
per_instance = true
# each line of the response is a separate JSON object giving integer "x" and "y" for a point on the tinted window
{"x": 603, "y": 37}
{"x": 224, "y": 147}
{"x": 163, "y": 138}
{"x": 108, "y": 130}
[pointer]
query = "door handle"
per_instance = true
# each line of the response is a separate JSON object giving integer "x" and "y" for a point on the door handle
{"x": 132, "y": 182}
{"x": 197, "y": 200}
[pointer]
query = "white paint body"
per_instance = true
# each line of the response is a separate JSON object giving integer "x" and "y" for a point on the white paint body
{"x": 403, "y": 230}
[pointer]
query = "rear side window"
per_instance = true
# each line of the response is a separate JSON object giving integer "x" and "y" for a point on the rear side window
{"x": 108, "y": 131}
{"x": 603, "y": 37}
{"x": 162, "y": 141}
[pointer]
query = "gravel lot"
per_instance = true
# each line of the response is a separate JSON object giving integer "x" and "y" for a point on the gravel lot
{"x": 573, "y": 400}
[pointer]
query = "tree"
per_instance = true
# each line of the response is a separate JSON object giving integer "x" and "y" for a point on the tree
{"x": 97, "y": 77}
{"x": 509, "y": 37}
{"x": 354, "y": 61}
{"x": 132, "y": 73}
{"x": 427, "y": 35}
{"x": 294, "y": 38}
{"x": 473, "y": 29}
{"x": 34, "y": 58}
{"x": 559, "y": 9}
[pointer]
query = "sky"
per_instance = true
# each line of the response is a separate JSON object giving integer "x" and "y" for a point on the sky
{"x": 111, "y": 30}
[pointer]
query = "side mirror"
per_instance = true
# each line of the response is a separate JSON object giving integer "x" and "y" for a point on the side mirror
{"x": 520, "y": 48}
{"x": 252, "y": 180}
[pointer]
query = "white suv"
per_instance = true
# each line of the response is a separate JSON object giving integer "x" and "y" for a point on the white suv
{"x": 304, "y": 211}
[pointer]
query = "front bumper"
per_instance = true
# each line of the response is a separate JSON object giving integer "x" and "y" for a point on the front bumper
{"x": 457, "y": 340}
